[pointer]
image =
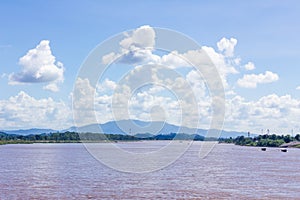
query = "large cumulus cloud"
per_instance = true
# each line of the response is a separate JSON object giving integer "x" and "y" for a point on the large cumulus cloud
{"x": 39, "y": 66}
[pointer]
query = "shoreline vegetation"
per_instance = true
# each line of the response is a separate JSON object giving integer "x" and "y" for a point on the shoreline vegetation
{"x": 265, "y": 141}
{"x": 74, "y": 137}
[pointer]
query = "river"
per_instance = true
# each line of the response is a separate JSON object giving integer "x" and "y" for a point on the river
{"x": 68, "y": 171}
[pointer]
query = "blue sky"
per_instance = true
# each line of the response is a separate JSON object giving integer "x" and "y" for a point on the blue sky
{"x": 266, "y": 32}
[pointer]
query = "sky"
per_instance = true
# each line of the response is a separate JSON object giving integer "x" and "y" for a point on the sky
{"x": 253, "y": 45}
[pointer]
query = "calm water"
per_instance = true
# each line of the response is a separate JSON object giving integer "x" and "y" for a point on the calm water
{"x": 68, "y": 171}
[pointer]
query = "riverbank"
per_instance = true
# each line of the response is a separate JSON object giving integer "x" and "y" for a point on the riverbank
{"x": 73, "y": 137}
{"x": 32, "y": 142}
{"x": 293, "y": 144}
{"x": 273, "y": 140}
{"x": 63, "y": 141}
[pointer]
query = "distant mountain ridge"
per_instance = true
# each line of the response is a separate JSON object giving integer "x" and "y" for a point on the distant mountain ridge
{"x": 32, "y": 131}
{"x": 134, "y": 127}
{"x": 131, "y": 127}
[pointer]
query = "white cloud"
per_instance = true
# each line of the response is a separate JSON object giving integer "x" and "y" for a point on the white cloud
{"x": 83, "y": 98}
{"x": 167, "y": 95}
{"x": 298, "y": 88}
{"x": 249, "y": 66}
{"x": 39, "y": 66}
{"x": 142, "y": 37}
{"x": 106, "y": 86}
{"x": 154, "y": 93}
{"x": 24, "y": 111}
{"x": 92, "y": 105}
{"x": 52, "y": 87}
{"x": 237, "y": 61}
{"x": 210, "y": 63}
{"x": 227, "y": 46}
{"x": 163, "y": 95}
{"x": 136, "y": 47}
{"x": 251, "y": 80}
{"x": 108, "y": 58}
{"x": 174, "y": 60}
{"x": 222, "y": 64}
{"x": 277, "y": 113}
{"x": 197, "y": 84}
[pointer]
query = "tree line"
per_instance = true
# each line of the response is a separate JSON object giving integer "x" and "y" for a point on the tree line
{"x": 262, "y": 140}
{"x": 74, "y": 137}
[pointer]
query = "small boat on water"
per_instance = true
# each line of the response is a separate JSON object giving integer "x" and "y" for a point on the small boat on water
{"x": 283, "y": 150}
{"x": 263, "y": 148}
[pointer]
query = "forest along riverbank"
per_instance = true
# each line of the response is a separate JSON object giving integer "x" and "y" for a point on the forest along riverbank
{"x": 266, "y": 141}
{"x": 74, "y": 137}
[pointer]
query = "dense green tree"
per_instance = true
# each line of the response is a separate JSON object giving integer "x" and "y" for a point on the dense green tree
{"x": 287, "y": 139}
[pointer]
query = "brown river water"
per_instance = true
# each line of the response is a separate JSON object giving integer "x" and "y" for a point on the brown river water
{"x": 68, "y": 171}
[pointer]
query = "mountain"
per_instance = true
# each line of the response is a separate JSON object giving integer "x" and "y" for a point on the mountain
{"x": 32, "y": 131}
{"x": 144, "y": 129}
{"x": 2, "y": 134}
{"x": 131, "y": 127}
{"x": 137, "y": 127}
